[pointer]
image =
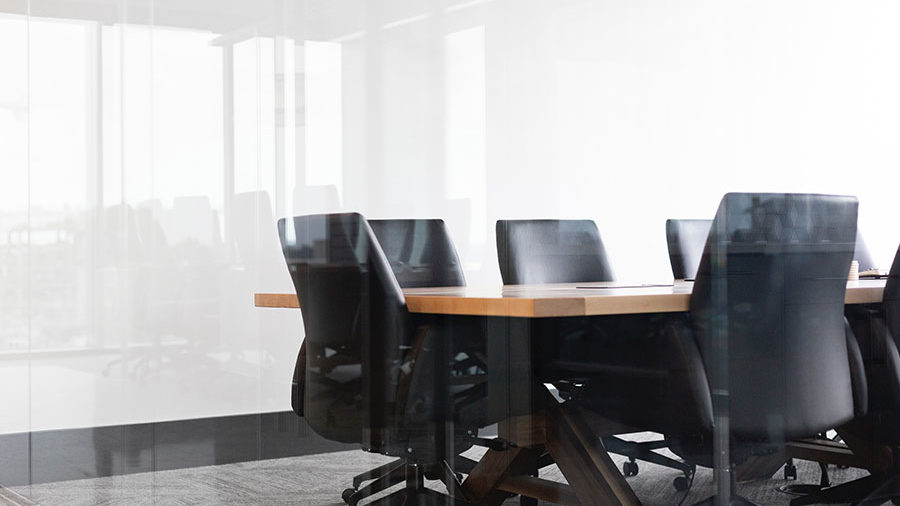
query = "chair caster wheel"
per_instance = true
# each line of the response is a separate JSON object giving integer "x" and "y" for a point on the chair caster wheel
{"x": 681, "y": 483}
{"x": 790, "y": 472}
{"x": 459, "y": 477}
{"x": 527, "y": 501}
{"x": 629, "y": 468}
{"x": 347, "y": 496}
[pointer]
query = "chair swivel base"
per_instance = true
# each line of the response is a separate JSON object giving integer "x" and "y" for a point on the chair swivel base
{"x": 645, "y": 451}
{"x": 413, "y": 494}
{"x": 804, "y": 488}
{"x": 418, "y": 497}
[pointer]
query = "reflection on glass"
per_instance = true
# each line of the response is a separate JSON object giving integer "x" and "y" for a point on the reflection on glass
{"x": 147, "y": 151}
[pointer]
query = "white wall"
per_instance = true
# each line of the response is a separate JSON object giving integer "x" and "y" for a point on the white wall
{"x": 147, "y": 147}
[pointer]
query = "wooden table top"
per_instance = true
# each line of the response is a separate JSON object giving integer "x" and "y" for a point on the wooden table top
{"x": 567, "y": 299}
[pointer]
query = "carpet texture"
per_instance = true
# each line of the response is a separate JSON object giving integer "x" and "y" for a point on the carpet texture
{"x": 319, "y": 480}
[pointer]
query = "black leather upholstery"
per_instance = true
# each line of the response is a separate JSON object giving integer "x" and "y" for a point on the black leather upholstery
{"x": 862, "y": 254}
{"x": 876, "y": 328}
{"x": 621, "y": 357}
{"x": 370, "y": 372}
{"x": 571, "y": 352}
{"x": 775, "y": 267}
{"x": 650, "y": 374}
{"x": 686, "y": 239}
{"x": 420, "y": 252}
{"x": 888, "y": 427}
{"x": 373, "y": 373}
{"x": 891, "y": 299}
{"x": 770, "y": 291}
{"x": 551, "y": 251}
{"x": 355, "y": 318}
{"x": 558, "y": 251}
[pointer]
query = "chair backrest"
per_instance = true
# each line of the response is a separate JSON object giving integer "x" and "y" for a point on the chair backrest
{"x": 356, "y": 324}
{"x": 862, "y": 255}
{"x": 686, "y": 239}
{"x": 551, "y": 251}
{"x": 767, "y": 308}
{"x": 420, "y": 252}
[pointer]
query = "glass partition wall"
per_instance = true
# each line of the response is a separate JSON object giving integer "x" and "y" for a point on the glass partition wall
{"x": 149, "y": 149}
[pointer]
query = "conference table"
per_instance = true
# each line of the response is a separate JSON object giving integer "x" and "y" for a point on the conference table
{"x": 561, "y": 299}
{"x": 568, "y": 434}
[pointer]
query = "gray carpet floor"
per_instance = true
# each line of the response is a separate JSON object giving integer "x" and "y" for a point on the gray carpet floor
{"x": 319, "y": 480}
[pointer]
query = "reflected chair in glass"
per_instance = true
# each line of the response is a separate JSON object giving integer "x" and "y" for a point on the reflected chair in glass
{"x": 877, "y": 434}
{"x": 765, "y": 332}
{"x": 374, "y": 374}
{"x": 686, "y": 239}
{"x": 570, "y": 350}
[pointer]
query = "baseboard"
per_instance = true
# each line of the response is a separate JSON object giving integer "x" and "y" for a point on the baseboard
{"x": 58, "y": 455}
{"x": 10, "y": 498}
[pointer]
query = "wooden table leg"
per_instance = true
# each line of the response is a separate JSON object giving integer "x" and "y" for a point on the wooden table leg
{"x": 583, "y": 460}
{"x": 501, "y": 474}
{"x": 482, "y": 484}
{"x": 572, "y": 438}
{"x": 526, "y": 432}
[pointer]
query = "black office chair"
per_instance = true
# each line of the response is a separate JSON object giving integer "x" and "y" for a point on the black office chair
{"x": 557, "y": 251}
{"x": 420, "y": 251}
{"x": 551, "y": 251}
{"x": 422, "y": 254}
{"x": 567, "y": 251}
{"x": 863, "y": 255}
{"x": 373, "y": 374}
{"x": 686, "y": 239}
{"x": 877, "y": 329}
{"x": 765, "y": 329}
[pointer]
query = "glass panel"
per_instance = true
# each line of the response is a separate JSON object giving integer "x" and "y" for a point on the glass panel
{"x": 148, "y": 150}
{"x": 15, "y": 332}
